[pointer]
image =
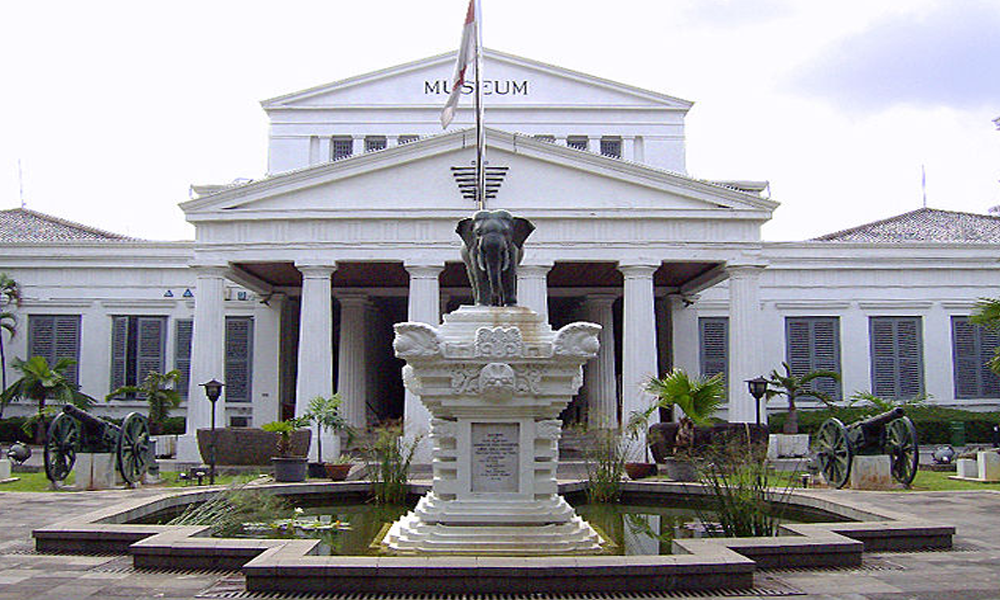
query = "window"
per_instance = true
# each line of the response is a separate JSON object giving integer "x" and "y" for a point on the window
{"x": 897, "y": 358}
{"x": 542, "y": 137}
{"x": 239, "y": 359}
{"x": 56, "y": 336}
{"x": 341, "y": 147}
{"x": 811, "y": 344}
{"x": 577, "y": 141}
{"x": 184, "y": 329}
{"x": 713, "y": 344}
{"x": 611, "y": 146}
{"x": 972, "y": 346}
{"x": 374, "y": 143}
{"x": 238, "y": 421}
{"x": 406, "y": 139}
{"x": 137, "y": 347}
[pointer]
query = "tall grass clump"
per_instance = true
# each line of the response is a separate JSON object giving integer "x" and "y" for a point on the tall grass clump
{"x": 228, "y": 510}
{"x": 389, "y": 456}
{"x": 605, "y": 452}
{"x": 740, "y": 491}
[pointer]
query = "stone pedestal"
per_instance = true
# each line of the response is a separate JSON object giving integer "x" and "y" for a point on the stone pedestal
{"x": 494, "y": 380}
{"x": 4, "y": 469}
{"x": 967, "y": 468}
{"x": 988, "y": 464}
{"x": 871, "y": 472}
{"x": 781, "y": 445}
{"x": 96, "y": 471}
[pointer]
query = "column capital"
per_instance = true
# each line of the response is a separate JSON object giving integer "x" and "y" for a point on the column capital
{"x": 314, "y": 270}
{"x": 638, "y": 270}
{"x": 601, "y": 299}
{"x": 744, "y": 270}
{"x": 423, "y": 270}
{"x": 206, "y": 270}
{"x": 352, "y": 299}
{"x": 534, "y": 270}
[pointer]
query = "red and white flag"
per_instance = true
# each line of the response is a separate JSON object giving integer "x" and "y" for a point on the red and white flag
{"x": 466, "y": 56}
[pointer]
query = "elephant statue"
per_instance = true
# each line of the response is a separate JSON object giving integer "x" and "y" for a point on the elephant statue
{"x": 492, "y": 246}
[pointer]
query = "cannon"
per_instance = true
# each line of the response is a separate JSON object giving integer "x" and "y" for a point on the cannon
{"x": 74, "y": 431}
{"x": 889, "y": 433}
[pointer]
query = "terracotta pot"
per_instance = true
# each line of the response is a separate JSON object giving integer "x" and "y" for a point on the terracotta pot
{"x": 639, "y": 470}
{"x": 287, "y": 470}
{"x": 339, "y": 471}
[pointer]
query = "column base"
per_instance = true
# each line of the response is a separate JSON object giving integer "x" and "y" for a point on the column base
{"x": 187, "y": 449}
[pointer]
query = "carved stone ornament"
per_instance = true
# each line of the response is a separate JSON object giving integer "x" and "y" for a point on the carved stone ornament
{"x": 528, "y": 379}
{"x": 415, "y": 340}
{"x": 440, "y": 428}
{"x": 464, "y": 379}
{"x": 496, "y": 380}
{"x": 578, "y": 339}
{"x": 550, "y": 429}
{"x": 499, "y": 342}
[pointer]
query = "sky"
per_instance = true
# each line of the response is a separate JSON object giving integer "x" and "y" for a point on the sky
{"x": 115, "y": 108}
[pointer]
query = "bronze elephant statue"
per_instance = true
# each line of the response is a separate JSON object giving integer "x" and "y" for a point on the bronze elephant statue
{"x": 492, "y": 247}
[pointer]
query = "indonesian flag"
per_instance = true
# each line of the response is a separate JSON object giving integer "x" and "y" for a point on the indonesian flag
{"x": 466, "y": 55}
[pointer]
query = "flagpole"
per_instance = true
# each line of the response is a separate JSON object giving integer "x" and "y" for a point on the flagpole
{"x": 480, "y": 130}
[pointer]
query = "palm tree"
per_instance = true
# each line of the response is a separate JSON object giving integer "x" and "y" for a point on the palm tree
{"x": 40, "y": 382}
{"x": 158, "y": 390}
{"x": 988, "y": 315}
{"x": 325, "y": 412}
{"x": 794, "y": 387}
{"x": 697, "y": 398}
{"x": 10, "y": 296}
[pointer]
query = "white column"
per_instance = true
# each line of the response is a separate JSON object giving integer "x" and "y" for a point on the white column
{"x": 744, "y": 340}
{"x": 638, "y": 339}
{"x": 315, "y": 362}
{"x": 602, "y": 397}
{"x": 266, "y": 353}
{"x": 533, "y": 289}
{"x": 351, "y": 374}
{"x": 684, "y": 333}
{"x": 424, "y": 307}
{"x": 207, "y": 359}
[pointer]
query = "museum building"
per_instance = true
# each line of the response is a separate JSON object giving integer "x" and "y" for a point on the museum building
{"x": 293, "y": 282}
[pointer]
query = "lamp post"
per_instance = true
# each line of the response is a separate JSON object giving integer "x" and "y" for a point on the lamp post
{"x": 758, "y": 387}
{"x": 213, "y": 389}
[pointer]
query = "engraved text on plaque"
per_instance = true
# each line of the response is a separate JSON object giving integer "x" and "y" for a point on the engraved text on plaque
{"x": 495, "y": 454}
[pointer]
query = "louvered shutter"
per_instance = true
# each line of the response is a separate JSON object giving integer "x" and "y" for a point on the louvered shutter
{"x": 151, "y": 338}
{"x": 119, "y": 351}
{"x": 182, "y": 354}
{"x": 897, "y": 357}
{"x": 989, "y": 339}
{"x": 239, "y": 353}
{"x": 714, "y": 342}
{"x": 41, "y": 336}
{"x": 67, "y": 344}
{"x": 813, "y": 343}
{"x": 972, "y": 348}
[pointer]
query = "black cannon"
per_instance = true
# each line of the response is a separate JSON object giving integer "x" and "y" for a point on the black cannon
{"x": 889, "y": 433}
{"x": 74, "y": 430}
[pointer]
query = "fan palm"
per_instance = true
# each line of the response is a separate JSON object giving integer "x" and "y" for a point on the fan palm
{"x": 40, "y": 382}
{"x": 159, "y": 391}
{"x": 988, "y": 315}
{"x": 794, "y": 387}
{"x": 697, "y": 398}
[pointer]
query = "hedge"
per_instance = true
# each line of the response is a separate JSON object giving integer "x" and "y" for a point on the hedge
{"x": 10, "y": 429}
{"x": 933, "y": 423}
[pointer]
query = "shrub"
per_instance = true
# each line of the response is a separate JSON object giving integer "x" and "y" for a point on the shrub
{"x": 11, "y": 430}
{"x": 605, "y": 451}
{"x": 388, "y": 457}
{"x": 933, "y": 423}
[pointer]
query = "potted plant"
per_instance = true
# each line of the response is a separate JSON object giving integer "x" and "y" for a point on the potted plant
{"x": 697, "y": 399}
{"x": 287, "y": 467}
{"x": 339, "y": 468}
{"x": 40, "y": 382}
{"x": 325, "y": 413}
{"x": 637, "y": 426}
{"x": 794, "y": 387}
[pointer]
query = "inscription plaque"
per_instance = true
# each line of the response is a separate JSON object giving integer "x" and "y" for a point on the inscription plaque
{"x": 495, "y": 457}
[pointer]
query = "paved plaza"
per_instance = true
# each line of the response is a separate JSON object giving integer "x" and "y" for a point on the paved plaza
{"x": 969, "y": 572}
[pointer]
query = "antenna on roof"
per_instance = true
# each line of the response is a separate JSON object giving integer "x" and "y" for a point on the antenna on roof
{"x": 20, "y": 182}
{"x": 923, "y": 183}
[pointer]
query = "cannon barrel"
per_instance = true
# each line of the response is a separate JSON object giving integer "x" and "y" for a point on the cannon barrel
{"x": 880, "y": 421}
{"x": 89, "y": 419}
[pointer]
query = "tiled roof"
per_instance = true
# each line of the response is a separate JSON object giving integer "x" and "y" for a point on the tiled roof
{"x": 924, "y": 225}
{"x": 19, "y": 225}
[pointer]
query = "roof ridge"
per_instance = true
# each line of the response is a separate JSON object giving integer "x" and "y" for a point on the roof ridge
{"x": 73, "y": 224}
{"x": 870, "y": 229}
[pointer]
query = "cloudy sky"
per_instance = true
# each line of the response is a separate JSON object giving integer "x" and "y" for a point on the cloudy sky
{"x": 115, "y": 108}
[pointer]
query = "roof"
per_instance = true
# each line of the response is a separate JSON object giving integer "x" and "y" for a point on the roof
{"x": 20, "y": 225}
{"x": 923, "y": 225}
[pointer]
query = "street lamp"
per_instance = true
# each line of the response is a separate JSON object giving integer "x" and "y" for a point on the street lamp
{"x": 758, "y": 387}
{"x": 213, "y": 389}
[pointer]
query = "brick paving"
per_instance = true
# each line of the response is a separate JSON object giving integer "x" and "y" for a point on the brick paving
{"x": 971, "y": 571}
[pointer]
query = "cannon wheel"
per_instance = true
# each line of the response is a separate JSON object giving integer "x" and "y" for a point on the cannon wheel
{"x": 901, "y": 446}
{"x": 133, "y": 448}
{"x": 61, "y": 445}
{"x": 833, "y": 452}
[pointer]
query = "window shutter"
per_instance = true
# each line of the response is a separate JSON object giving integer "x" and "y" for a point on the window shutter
{"x": 989, "y": 339}
{"x": 714, "y": 341}
{"x": 67, "y": 344}
{"x": 813, "y": 343}
{"x": 897, "y": 357}
{"x": 41, "y": 337}
{"x": 972, "y": 348}
{"x": 239, "y": 354}
{"x": 182, "y": 354}
{"x": 151, "y": 338}
{"x": 119, "y": 351}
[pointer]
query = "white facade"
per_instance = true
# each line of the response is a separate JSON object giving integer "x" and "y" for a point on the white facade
{"x": 324, "y": 255}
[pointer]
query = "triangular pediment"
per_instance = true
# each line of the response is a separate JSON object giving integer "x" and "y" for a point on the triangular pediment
{"x": 508, "y": 80}
{"x": 419, "y": 177}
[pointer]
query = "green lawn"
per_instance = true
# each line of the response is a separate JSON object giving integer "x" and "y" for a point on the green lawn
{"x": 37, "y": 482}
{"x": 937, "y": 481}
